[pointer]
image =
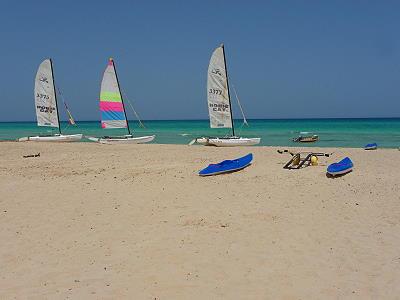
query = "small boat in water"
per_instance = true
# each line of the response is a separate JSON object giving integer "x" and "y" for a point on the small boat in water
{"x": 219, "y": 105}
{"x": 306, "y": 137}
{"x": 46, "y": 107}
{"x": 113, "y": 111}
{"x": 372, "y": 146}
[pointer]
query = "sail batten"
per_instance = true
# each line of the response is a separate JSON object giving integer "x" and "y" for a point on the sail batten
{"x": 111, "y": 106}
{"x": 45, "y": 96}
{"x": 217, "y": 91}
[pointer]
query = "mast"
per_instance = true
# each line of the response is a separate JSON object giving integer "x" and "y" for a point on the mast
{"x": 55, "y": 94}
{"x": 229, "y": 94}
{"x": 122, "y": 99}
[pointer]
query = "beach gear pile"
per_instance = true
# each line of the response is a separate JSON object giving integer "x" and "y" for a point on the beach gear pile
{"x": 298, "y": 161}
{"x": 228, "y": 166}
{"x": 304, "y": 159}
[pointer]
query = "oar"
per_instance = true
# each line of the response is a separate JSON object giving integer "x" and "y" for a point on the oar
{"x": 285, "y": 151}
{"x": 32, "y": 155}
{"x": 282, "y": 151}
{"x": 314, "y": 153}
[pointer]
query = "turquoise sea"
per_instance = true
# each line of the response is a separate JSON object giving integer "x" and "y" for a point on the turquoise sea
{"x": 332, "y": 132}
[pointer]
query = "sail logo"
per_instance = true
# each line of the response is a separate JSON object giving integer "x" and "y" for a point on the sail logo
{"x": 216, "y": 71}
{"x": 43, "y": 79}
{"x": 219, "y": 107}
{"x": 45, "y": 109}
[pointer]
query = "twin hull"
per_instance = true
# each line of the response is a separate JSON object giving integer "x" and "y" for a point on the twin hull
{"x": 53, "y": 138}
{"x": 228, "y": 142}
{"x": 219, "y": 142}
{"x": 123, "y": 139}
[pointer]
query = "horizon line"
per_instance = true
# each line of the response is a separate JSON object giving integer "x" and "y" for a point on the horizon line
{"x": 254, "y": 119}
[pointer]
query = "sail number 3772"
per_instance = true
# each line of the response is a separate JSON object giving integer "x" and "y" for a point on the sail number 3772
{"x": 215, "y": 91}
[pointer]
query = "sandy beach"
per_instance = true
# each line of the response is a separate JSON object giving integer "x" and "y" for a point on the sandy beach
{"x": 89, "y": 221}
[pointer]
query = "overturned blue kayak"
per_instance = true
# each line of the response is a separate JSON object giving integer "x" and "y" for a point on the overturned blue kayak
{"x": 342, "y": 167}
{"x": 372, "y": 146}
{"x": 227, "y": 166}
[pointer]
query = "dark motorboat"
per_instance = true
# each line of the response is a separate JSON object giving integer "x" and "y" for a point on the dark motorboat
{"x": 305, "y": 137}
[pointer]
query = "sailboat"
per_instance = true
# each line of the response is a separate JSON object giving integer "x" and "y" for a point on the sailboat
{"x": 46, "y": 106}
{"x": 219, "y": 104}
{"x": 112, "y": 109}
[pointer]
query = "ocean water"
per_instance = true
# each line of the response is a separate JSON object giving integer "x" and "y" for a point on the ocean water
{"x": 332, "y": 132}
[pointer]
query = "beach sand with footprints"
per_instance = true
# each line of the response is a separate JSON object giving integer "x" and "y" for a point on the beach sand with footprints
{"x": 90, "y": 221}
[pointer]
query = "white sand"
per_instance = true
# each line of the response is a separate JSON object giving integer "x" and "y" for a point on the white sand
{"x": 89, "y": 221}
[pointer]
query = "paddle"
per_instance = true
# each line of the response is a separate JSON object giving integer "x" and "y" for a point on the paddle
{"x": 31, "y": 155}
{"x": 282, "y": 151}
{"x": 314, "y": 153}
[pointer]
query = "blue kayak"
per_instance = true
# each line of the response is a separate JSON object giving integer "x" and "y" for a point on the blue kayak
{"x": 372, "y": 146}
{"x": 227, "y": 166}
{"x": 342, "y": 167}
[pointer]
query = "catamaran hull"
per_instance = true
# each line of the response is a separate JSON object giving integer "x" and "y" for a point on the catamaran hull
{"x": 228, "y": 142}
{"x": 53, "y": 138}
{"x": 123, "y": 140}
{"x": 202, "y": 141}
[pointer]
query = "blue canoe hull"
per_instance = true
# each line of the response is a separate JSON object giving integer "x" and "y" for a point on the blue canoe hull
{"x": 342, "y": 167}
{"x": 227, "y": 166}
{"x": 373, "y": 146}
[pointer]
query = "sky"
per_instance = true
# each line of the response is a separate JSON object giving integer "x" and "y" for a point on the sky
{"x": 286, "y": 59}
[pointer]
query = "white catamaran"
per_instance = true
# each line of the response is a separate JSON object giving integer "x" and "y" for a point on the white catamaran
{"x": 219, "y": 104}
{"x": 46, "y": 106}
{"x": 113, "y": 110}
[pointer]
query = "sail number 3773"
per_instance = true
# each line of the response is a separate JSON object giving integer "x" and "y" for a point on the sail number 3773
{"x": 42, "y": 96}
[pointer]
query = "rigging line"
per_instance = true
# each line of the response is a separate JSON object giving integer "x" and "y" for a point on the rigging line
{"x": 71, "y": 120}
{"x": 240, "y": 105}
{"x": 243, "y": 124}
{"x": 241, "y": 127}
{"x": 133, "y": 109}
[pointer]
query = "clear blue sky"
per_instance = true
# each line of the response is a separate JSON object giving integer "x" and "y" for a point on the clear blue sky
{"x": 287, "y": 59}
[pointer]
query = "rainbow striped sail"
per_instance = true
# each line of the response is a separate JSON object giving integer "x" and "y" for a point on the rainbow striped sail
{"x": 111, "y": 105}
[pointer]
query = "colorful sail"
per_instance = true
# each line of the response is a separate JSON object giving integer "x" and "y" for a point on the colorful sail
{"x": 45, "y": 96}
{"x": 111, "y": 106}
{"x": 217, "y": 91}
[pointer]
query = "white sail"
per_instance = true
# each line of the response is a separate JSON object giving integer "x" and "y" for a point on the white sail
{"x": 45, "y": 98}
{"x": 217, "y": 91}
